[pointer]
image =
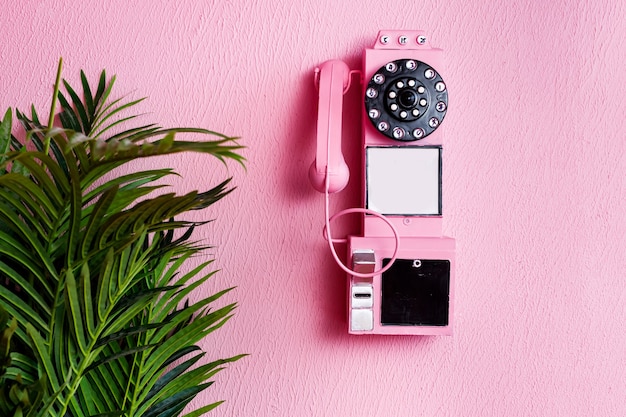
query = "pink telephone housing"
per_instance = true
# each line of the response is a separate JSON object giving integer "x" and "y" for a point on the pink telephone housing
{"x": 405, "y": 100}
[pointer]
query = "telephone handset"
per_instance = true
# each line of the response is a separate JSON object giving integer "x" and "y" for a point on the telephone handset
{"x": 329, "y": 168}
{"x": 401, "y": 274}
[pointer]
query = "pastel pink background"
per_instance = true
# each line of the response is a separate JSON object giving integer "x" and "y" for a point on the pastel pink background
{"x": 534, "y": 191}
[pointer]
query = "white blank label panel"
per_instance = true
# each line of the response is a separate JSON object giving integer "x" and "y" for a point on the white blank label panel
{"x": 404, "y": 180}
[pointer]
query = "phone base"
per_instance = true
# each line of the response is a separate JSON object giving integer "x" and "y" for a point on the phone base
{"x": 413, "y": 297}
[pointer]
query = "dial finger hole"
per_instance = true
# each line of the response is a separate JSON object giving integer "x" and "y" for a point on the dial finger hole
{"x": 398, "y": 132}
{"x": 391, "y": 67}
{"x": 371, "y": 93}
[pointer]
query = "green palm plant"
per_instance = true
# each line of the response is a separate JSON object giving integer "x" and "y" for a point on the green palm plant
{"x": 95, "y": 317}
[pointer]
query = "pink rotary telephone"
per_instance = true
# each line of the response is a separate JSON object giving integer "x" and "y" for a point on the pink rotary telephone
{"x": 401, "y": 273}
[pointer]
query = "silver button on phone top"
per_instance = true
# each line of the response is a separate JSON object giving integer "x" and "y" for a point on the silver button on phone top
{"x": 383, "y": 126}
{"x": 441, "y": 106}
{"x": 440, "y": 86}
{"x": 410, "y": 65}
{"x": 433, "y": 122}
{"x": 423, "y": 102}
{"x": 418, "y": 133}
{"x": 379, "y": 78}
{"x": 371, "y": 92}
{"x": 421, "y": 89}
{"x": 429, "y": 73}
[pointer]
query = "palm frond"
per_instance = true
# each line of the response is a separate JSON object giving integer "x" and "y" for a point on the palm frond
{"x": 5, "y": 137}
{"x": 91, "y": 268}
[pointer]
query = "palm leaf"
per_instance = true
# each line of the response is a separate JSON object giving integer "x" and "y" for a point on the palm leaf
{"x": 93, "y": 265}
{"x": 5, "y": 137}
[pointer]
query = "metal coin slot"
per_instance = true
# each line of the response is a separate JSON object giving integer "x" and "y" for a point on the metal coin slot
{"x": 362, "y": 295}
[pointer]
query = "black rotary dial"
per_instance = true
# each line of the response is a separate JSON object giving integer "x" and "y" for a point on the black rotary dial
{"x": 406, "y": 100}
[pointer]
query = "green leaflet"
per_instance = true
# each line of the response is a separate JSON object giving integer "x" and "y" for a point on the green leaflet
{"x": 5, "y": 137}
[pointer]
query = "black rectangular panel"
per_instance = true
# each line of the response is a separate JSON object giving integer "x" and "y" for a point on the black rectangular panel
{"x": 416, "y": 293}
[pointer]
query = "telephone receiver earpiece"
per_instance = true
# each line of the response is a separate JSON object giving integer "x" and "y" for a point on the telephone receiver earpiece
{"x": 333, "y": 80}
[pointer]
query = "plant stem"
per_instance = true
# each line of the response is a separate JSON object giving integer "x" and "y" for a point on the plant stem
{"x": 53, "y": 106}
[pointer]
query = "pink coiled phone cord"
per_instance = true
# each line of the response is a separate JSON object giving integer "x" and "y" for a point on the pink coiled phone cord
{"x": 331, "y": 242}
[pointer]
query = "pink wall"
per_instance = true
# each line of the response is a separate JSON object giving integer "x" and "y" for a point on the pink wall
{"x": 535, "y": 191}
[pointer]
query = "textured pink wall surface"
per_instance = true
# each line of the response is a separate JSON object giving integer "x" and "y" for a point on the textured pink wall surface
{"x": 534, "y": 191}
